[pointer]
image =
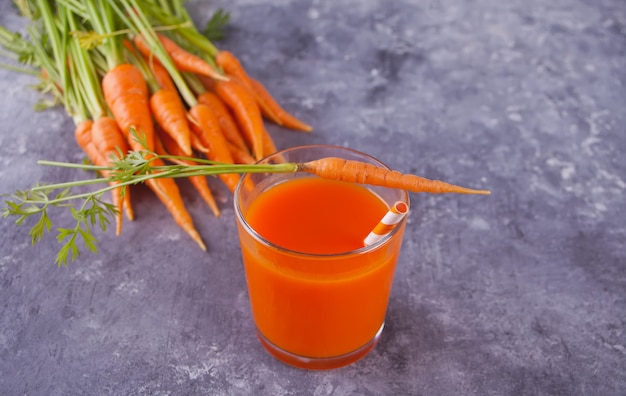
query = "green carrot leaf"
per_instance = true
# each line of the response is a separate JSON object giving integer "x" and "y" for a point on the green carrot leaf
{"x": 89, "y": 240}
{"x": 214, "y": 29}
{"x": 40, "y": 227}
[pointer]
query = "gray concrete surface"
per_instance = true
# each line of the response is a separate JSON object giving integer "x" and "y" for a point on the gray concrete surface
{"x": 519, "y": 293}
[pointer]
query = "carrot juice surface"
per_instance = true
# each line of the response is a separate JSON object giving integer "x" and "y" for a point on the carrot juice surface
{"x": 319, "y": 298}
{"x": 319, "y": 216}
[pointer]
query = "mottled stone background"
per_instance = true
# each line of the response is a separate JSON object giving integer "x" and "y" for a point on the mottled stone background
{"x": 522, "y": 292}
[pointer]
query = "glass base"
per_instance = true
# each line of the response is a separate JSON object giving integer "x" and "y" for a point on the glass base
{"x": 324, "y": 363}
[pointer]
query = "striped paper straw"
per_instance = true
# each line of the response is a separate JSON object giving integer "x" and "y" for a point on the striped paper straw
{"x": 387, "y": 223}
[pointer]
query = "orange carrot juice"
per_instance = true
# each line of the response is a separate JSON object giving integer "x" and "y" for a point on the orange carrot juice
{"x": 317, "y": 216}
{"x": 318, "y": 296}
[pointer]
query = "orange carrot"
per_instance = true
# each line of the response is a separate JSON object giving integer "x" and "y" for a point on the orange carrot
{"x": 159, "y": 147}
{"x": 227, "y": 123}
{"x": 207, "y": 127}
{"x": 159, "y": 72}
{"x": 168, "y": 192}
{"x": 165, "y": 103}
{"x": 128, "y": 45}
{"x": 111, "y": 144}
{"x": 202, "y": 186}
{"x": 232, "y": 67}
{"x": 169, "y": 111}
{"x": 196, "y": 143}
{"x": 239, "y": 155}
{"x": 82, "y": 134}
{"x": 268, "y": 144}
{"x": 84, "y": 138}
{"x": 359, "y": 172}
{"x": 286, "y": 119}
{"x": 126, "y": 94}
{"x": 183, "y": 60}
{"x": 166, "y": 145}
{"x": 246, "y": 111}
{"x": 108, "y": 138}
{"x": 208, "y": 83}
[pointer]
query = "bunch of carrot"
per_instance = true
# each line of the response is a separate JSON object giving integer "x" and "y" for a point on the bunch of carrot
{"x": 138, "y": 78}
{"x": 137, "y": 75}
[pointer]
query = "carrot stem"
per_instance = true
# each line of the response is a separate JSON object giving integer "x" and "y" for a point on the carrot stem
{"x": 331, "y": 167}
{"x": 141, "y": 26}
{"x": 191, "y": 34}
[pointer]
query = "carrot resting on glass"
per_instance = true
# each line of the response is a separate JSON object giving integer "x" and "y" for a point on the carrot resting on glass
{"x": 360, "y": 172}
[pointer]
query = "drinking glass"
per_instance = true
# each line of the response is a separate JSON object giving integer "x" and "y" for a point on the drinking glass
{"x": 316, "y": 311}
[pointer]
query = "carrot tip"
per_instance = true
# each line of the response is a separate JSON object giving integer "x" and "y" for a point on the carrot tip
{"x": 128, "y": 209}
{"x": 118, "y": 224}
{"x": 216, "y": 211}
{"x": 196, "y": 238}
{"x": 187, "y": 151}
{"x": 202, "y": 245}
{"x": 463, "y": 190}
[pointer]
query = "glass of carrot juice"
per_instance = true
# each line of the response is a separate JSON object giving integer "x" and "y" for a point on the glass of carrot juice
{"x": 318, "y": 296}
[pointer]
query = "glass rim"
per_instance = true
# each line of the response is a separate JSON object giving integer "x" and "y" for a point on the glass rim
{"x": 365, "y": 249}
